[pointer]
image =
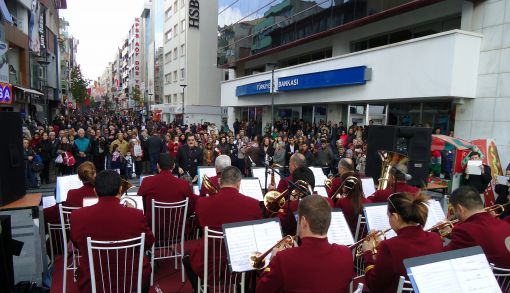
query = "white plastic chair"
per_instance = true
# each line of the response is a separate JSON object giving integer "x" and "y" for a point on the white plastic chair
{"x": 168, "y": 227}
{"x": 65, "y": 212}
{"x": 56, "y": 240}
{"x": 503, "y": 277}
{"x": 404, "y": 285}
{"x": 359, "y": 289}
{"x": 105, "y": 257}
{"x": 361, "y": 231}
{"x": 217, "y": 274}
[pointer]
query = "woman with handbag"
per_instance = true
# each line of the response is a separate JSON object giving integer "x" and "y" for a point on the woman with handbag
{"x": 65, "y": 151}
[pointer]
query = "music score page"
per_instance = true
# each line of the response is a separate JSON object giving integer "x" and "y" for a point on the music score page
{"x": 377, "y": 219}
{"x": 339, "y": 231}
{"x": 251, "y": 188}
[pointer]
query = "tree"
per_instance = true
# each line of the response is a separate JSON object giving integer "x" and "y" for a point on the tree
{"x": 137, "y": 96}
{"x": 78, "y": 85}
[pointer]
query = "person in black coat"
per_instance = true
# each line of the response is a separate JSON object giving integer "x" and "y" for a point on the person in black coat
{"x": 266, "y": 151}
{"x": 479, "y": 182}
{"x": 155, "y": 146}
{"x": 45, "y": 149}
{"x": 189, "y": 157}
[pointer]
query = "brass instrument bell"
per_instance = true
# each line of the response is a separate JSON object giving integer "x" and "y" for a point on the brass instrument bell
{"x": 209, "y": 186}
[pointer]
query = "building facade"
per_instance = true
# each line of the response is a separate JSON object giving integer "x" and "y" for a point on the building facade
{"x": 190, "y": 75}
{"x": 422, "y": 63}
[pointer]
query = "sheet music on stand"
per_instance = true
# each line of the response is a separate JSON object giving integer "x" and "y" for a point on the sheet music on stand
{"x": 196, "y": 190}
{"x": 244, "y": 238}
{"x": 319, "y": 176}
{"x": 321, "y": 190}
{"x": 368, "y": 186}
{"x": 66, "y": 183}
{"x": 260, "y": 174}
{"x": 251, "y": 187}
{"x": 435, "y": 215}
{"x": 339, "y": 231}
{"x": 377, "y": 218}
{"x": 204, "y": 170}
{"x": 463, "y": 271}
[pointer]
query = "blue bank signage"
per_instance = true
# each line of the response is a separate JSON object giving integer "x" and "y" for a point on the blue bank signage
{"x": 332, "y": 78}
{"x": 256, "y": 88}
{"x": 323, "y": 79}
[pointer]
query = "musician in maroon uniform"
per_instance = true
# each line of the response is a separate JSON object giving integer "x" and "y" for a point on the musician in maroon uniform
{"x": 107, "y": 220}
{"x": 407, "y": 216}
{"x": 165, "y": 187}
{"x": 350, "y": 199}
{"x": 316, "y": 265}
{"x": 297, "y": 160}
{"x": 226, "y": 206}
{"x": 478, "y": 227}
{"x": 344, "y": 166}
{"x": 396, "y": 183}
{"x": 221, "y": 162}
{"x": 87, "y": 175}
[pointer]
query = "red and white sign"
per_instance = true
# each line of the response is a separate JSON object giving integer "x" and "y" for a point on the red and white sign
{"x": 137, "y": 52}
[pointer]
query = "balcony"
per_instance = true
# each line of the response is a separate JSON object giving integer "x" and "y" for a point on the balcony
{"x": 440, "y": 66}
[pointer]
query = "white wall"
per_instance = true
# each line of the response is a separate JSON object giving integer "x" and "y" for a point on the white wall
{"x": 487, "y": 115}
{"x": 441, "y": 65}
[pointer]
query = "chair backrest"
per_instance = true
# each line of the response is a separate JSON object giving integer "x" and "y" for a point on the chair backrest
{"x": 404, "y": 285}
{"x": 116, "y": 266}
{"x": 56, "y": 240}
{"x": 65, "y": 213}
{"x": 503, "y": 277}
{"x": 217, "y": 274}
{"x": 168, "y": 224}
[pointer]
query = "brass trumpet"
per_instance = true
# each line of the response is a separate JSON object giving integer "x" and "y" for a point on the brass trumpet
{"x": 274, "y": 200}
{"x": 258, "y": 260}
{"x": 372, "y": 236}
{"x": 209, "y": 186}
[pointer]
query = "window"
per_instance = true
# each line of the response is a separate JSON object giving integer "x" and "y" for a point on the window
{"x": 183, "y": 25}
{"x": 167, "y": 98}
{"x": 175, "y": 75}
{"x": 175, "y": 5}
{"x": 168, "y": 57}
{"x": 183, "y": 3}
{"x": 168, "y": 36}
{"x": 175, "y": 98}
{"x": 168, "y": 13}
{"x": 183, "y": 50}
{"x": 175, "y": 53}
{"x": 182, "y": 73}
{"x": 176, "y": 29}
{"x": 168, "y": 78}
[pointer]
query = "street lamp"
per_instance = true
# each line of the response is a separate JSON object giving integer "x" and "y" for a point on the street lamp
{"x": 183, "y": 87}
{"x": 273, "y": 66}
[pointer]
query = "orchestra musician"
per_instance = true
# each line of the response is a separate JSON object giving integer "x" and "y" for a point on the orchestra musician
{"x": 165, "y": 187}
{"x": 316, "y": 265}
{"x": 478, "y": 227}
{"x": 351, "y": 199}
{"x": 397, "y": 182}
{"x": 226, "y": 206}
{"x": 221, "y": 162}
{"x": 286, "y": 214}
{"x": 87, "y": 175}
{"x": 107, "y": 220}
{"x": 297, "y": 160}
{"x": 344, "y": 166}
{"x": 407, "y": 215}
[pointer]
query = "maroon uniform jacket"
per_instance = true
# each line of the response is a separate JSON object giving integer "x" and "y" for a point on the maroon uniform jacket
{"x": 289, "y": 224}
{"x": 382, "y": 195}
{"x": 227, "y": 206}
{"x": 487, "y": 231}
{"x": 336, "y": 183}
{"x": 347, "y": 208}
{"x": 389, "y": 266}
{"x": 315, "y": 266}
{"x": 283, "y": 184}
{"x": 107, "y": 220}
{"x": 75, "y": 196}
{"x": 215, "y": 181}
{"x": 165, "y": 187}
{"x": 507, "y": 219}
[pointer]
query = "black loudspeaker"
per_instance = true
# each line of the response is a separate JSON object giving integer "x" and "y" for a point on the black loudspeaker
{"x": 6, "y": 266}
{"x": 12, "y": 166}
{"x": 413, "y": 142}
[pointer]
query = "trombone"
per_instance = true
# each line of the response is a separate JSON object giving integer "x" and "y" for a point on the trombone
{"x": 274, "y": 200}
{"x": 372, "y": 236}
{"x": 258, "y": 260}
{"x": 209, "y": 186}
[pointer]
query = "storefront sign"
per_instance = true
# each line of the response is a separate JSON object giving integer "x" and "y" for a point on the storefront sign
{"x": 194, "y": 13}
{"x": 331, "y": 78}
{"x": 137, "y": 52}
{"x": 5, "y": 93}
{"x": 256, "y": 88}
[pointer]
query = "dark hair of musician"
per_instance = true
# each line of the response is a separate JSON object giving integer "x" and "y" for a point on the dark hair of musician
{"x": 468, "y": 197}
{"x": 411, "y": 208}
{"x": 317, "y": 212}
{"x": 165, "y": 162}
{"x": 107, "y": 183}
{"x": 305, "y": 174}
{"x": 354, "y": 192}
{"x": 230, "y": 176}
{"x": 87, "y": 172}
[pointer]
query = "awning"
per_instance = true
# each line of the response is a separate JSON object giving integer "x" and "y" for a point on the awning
{"x": 30, "y": 91}
{"x": 5, "y": 12}
{"x": 444, "y": 142}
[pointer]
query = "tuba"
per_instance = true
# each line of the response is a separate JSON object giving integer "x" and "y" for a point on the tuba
{"x": 389, "y": 161}
{"x": 274, "y": 200}
{"x": 209, "y": 186}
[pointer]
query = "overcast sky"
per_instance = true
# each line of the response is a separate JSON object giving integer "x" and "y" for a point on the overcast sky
{"x": 100, "y": 26}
